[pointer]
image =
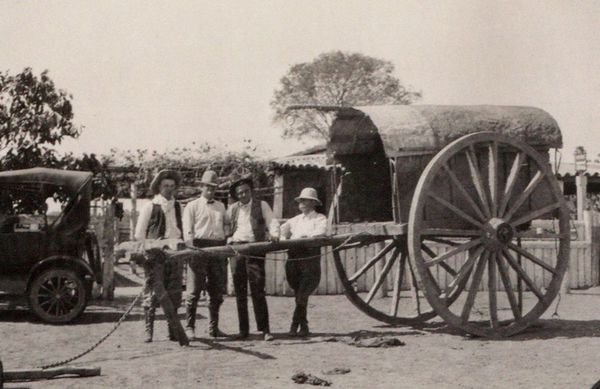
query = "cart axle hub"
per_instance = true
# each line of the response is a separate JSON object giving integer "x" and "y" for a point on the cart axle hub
{"x": 497, "y": 233}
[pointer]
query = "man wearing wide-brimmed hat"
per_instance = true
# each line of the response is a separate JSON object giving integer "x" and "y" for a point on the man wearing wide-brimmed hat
{"x": 205, "y": 223}
{"x": 251, "y": 221}
{"x": 303, "y": 267}
{"x": 161, "y": 218}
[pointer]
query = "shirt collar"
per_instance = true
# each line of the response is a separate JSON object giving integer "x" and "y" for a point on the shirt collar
{"x": 160, "y": 199}
{"x": 206, "y": 201}
{"x": 248, "y": 205}
{"x": 309, "y": 215}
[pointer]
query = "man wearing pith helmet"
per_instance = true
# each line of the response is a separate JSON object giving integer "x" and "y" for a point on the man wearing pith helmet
{"x": 161, "y": 218}
{"x": 251, "y": 221}
{"x": 303, "y": 267}
{"x": 205, "y": 223}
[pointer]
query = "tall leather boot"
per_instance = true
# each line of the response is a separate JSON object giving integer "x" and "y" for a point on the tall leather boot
{"x": 304, "y": 332}
{"x": 213, "y": 325}
{"x": 149, "y": 314}
{"x": 295, "y": 322}
{"x": 190, "y": 316}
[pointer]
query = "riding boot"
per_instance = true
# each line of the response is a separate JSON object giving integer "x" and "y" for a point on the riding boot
{"x": 304, "y": 332}
{"x": 149, "y": 323}
{"x": 190, "y": 316}
{"x": 295, "y": 322}
{"x": 213, "y": 325}
{"x": 171, "y": 332}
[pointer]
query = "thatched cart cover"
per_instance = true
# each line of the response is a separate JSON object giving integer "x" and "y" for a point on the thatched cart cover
{"x": 415, "y": 129}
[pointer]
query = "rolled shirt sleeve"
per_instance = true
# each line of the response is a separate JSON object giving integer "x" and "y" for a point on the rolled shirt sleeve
{"x": 187, "y": 221}
{"x": 270, "y": 221}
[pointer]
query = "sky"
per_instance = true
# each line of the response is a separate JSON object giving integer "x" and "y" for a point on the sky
{"x": 160, "y": 75}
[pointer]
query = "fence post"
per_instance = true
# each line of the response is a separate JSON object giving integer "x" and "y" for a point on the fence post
{"x": 581, "y": 183}
{"x": 108, "y": 245}
{"x": 278, "y": 196}
{"x": 133, "y": 212}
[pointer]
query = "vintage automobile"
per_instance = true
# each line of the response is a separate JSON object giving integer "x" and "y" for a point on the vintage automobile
{"x": 49, "y": 261}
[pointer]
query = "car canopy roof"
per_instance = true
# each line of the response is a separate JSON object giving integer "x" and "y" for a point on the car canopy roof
{"x": 71, "y": 181}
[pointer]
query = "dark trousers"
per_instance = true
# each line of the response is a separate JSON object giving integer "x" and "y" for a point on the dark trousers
{"x": 173, "y": 277}
{"x": 205, "y": 273}
{"x": 252, "y": 271}
{"x": 303, "y": 277}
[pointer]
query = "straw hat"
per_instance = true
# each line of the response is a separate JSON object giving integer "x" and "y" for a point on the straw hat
{"x": 209, "y": 178}
{"x": 309, "y": 194}
{"x": 244, "y": 180}
{"x": 166, "y": 174}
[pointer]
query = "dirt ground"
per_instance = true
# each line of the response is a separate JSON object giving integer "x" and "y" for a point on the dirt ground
{"x": 555, "y": 353}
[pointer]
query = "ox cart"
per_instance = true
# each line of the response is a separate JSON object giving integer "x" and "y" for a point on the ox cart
{"x": 462, "y": 187}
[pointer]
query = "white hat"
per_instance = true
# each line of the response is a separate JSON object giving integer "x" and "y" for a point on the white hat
{"x": 210, "y": 178}
{"x": 309, "y": 194}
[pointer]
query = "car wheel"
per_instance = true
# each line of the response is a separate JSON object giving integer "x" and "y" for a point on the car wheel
{"x": 58, "y": 295}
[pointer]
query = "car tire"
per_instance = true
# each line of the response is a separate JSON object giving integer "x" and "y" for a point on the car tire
{"x": 58, "y": 296}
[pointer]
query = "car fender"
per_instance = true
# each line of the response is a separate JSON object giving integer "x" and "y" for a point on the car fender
{"x": 62, "y": 261}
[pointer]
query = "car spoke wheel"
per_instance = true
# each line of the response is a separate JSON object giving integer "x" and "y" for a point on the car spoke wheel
{"x": 58, "y": 295}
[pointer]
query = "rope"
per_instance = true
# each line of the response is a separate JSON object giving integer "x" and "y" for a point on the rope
{"x": 99, "y": 342}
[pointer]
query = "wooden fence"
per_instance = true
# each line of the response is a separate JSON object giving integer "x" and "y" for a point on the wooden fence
{"x": 584, "y": 266}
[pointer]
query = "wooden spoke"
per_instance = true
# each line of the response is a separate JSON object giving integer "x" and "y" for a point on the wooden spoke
{"x": 477, "y": 181}
{"x": 493, "y": 176}
{"x": 381, "y": 277}
{"x": 535, "y": 214}
{"x": 492, "y": 282}
{"x": 535, "y": 181}
{"x": 398, "y": 283}
{"x": 461, "y": 189}
{"x": 521, "y": 273}
{"x": 519, "y": 281}
{"x": 373, "y": 261}
{"x": 466, "y": 311}
{"x": 414, "y": 288}
{"x": 511, "y": 181}
{"x": 426, "y": 232}
{"x": 453, "y": 252}
{"x": 443, "y": 241}
{"x": 514, "y": 306}
{"x": 532, "y": 257}
{"x": 442, "y": 264}
{"x": 457, "y": 211}
{"x": 464, "y": 271}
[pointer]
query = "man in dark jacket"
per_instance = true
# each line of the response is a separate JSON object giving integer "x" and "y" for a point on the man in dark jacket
{"x": 251, "y": 221}
{"x": 161, "y": 218}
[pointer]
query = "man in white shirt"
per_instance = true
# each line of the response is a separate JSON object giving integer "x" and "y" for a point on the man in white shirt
{"x": 205, "y": 223}
{"x": 251, "y": 221}
{"x": 304, "y": 275}
{"x": 161, "y": 218}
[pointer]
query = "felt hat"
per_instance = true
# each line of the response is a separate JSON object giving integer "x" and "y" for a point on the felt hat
{"x": 309, "y": 194}
{"x": 243, "y": 180}
{"x": 210, "y": 178}
{"x": 166, "y": 174}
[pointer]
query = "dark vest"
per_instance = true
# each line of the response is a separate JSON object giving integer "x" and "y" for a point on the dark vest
{"x": 157, "y": 225}
{"x": 257, "y": 220}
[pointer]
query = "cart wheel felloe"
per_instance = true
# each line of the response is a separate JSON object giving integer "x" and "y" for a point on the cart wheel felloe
{"x": 389, "y": 266}
{"x": 477, "y": 197}
{"x": 58, "y": 295}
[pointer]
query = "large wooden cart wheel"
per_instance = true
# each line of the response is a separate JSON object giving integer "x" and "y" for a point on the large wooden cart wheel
{"x": 478, "y": 197}
{"x": 389, "y": 268}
